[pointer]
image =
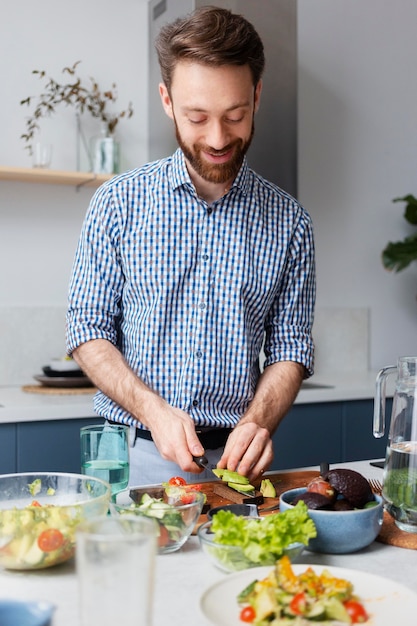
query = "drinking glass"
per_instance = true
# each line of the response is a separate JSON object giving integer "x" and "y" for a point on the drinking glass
{"x": 42, "y": 155}
{"x": 115, "y": 560}
{"x": 105, "y": 454}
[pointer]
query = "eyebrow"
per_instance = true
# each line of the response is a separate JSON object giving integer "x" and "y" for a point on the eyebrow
{"x": 239, "y": 105}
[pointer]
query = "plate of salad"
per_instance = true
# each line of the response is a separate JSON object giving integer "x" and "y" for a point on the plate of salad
{"x": 365, "y": 598}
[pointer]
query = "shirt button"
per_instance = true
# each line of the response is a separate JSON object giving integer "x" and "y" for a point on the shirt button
{"x": 205, "y": 257}
{"x": 199, "y": 354}
{"x": 195, "y": 403}
{"x": 209, "y": 210}
{"x": 202, "y": 306}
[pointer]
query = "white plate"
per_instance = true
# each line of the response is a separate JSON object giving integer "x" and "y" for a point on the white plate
{"x": 386, "y": 601}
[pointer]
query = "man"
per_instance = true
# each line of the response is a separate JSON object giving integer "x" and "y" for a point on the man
{"x": 187, "y": 266}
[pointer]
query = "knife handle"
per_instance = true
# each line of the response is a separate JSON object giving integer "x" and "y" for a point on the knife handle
{"x": 201, "y": 461}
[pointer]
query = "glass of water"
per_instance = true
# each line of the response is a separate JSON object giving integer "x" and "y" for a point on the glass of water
{"x": 105, "y": 454}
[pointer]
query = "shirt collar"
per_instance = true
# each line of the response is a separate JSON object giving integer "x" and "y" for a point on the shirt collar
{"x": 179, "y": 176}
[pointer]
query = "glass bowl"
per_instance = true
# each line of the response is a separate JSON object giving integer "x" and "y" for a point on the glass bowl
{"x": 39, "y": 513}
{"x": 232, "y": 558}
{"x": 175, "y": 519}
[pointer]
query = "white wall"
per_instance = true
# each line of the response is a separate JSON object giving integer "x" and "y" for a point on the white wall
{"x": 357, "y": 150}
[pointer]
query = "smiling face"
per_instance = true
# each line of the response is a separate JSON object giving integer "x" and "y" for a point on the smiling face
{"x": 213, "y": 110}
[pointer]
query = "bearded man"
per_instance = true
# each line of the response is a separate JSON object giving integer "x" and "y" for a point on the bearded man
{"x": 190, "y": 267}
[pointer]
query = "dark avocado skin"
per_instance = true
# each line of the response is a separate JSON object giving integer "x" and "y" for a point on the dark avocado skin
{"x": 351, "y": 485}
{"x": 314, "y": 501}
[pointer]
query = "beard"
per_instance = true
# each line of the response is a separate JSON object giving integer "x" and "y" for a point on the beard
{"x": 212, "y": 172}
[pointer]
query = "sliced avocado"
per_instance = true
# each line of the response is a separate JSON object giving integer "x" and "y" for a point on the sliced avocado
{"x": 219, "y": 472}
{"x": 234, "y": 477}
{"x": 267, "y": 489}
{"x": 242, "y": 488}
{"x": 335, "y": 610}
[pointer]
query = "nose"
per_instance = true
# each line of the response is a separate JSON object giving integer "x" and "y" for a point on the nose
{"x": 217, "y": 135}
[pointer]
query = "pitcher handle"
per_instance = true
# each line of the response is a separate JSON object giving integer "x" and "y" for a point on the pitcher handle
{"x": 379, "y": 403}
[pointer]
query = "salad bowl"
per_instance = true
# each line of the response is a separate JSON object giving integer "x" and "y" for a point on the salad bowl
{"x": 233, "y": 542}
{"x": 39, "y": 513}
{"x": 174, "y": 512}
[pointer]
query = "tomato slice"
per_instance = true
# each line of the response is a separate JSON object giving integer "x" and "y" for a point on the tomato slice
{"x": 50, "y": 539}
{"x": 356, "y": 611}
{"x": 35, "y": 503}
{"x": 247, "y": 614}
{"x": 298, "y": 603}
{"x": 177, "y": 481}
{"x": 187, "y": 498}
{"x": 193, "y": 487}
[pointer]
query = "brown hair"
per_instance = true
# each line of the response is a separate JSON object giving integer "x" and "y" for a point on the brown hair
{"x": 211, "y": 36}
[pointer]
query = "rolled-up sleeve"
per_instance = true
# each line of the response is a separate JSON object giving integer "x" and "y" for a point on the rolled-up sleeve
{"x": 97, "y": 279}
{"x": 289, "y": 323}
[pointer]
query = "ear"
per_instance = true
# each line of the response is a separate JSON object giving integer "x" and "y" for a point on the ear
{"x": 166, "y": 100}
{"x": 257, "y": 98}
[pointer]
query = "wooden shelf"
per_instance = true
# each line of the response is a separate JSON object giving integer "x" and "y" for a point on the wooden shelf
{"x": 52, "y": 177}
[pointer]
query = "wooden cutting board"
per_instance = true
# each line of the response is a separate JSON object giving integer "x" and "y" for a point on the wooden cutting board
{"x": 282, "y": 481}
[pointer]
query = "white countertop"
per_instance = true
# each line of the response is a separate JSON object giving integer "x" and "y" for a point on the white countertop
{"x": 18, "y": 405}
{"x": 182, "y": 577}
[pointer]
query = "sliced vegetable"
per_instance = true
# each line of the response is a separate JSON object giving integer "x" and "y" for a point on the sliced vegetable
{"x": 285, "y": 598}
{"x": 50, "y": 539}
{"x": 356, "y": 611}
{"x": 247, "y": 614}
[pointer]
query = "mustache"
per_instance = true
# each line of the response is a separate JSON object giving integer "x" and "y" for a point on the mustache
{"x": 214, "y": 152}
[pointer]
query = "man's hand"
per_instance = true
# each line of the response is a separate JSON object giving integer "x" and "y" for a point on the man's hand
{"x": 172, "y": 429}
{"x": 248, "y": 450}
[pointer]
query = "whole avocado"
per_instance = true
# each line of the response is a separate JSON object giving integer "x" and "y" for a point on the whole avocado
{"x": 351, "y": 485}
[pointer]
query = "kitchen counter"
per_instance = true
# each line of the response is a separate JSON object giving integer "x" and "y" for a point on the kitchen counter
{"x": 18, "y": 405}
{"x": 182, "y": 577}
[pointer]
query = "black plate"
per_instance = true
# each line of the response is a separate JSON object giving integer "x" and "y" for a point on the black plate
{"x": 64, "y": 381}
{"x": 49, "y": 371}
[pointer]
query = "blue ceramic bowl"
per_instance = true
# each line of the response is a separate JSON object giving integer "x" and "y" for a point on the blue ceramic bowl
{"x": 340, "y": 532}
{"x": 19, "y": 613}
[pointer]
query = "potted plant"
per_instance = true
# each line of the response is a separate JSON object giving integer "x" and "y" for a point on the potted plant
{"x": 83, "y": 98}
{"x": 398, "y": 255}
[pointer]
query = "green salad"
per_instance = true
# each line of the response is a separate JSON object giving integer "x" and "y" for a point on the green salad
{"x": 261, "y": 541}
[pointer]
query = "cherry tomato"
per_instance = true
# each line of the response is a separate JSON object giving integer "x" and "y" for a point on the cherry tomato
{"x": 247, "y": 614}
{"x": 50, "y": 539}
{"x": 187, "y": 498}
{"x": 298, "y": 603}
{"x": 177, "y": 481}
{"x": 356, "y": 611}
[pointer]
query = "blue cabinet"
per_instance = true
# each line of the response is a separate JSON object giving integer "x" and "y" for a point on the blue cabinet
{"x": 42, "y": 446}
{"x": 335, "y": 432}
{"x": 7, "y": 449}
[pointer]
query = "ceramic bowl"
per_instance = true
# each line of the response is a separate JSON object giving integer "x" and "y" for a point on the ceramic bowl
{"x": 175, "y": 520}
{"x": 39, "y": 513}
{"x": 340, "y": 532}
{"x": 20, "y": 613}
{"x": 232, "y": 558}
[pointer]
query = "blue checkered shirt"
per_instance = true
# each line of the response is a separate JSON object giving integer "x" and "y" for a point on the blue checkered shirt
{"x": 190, "y": 292}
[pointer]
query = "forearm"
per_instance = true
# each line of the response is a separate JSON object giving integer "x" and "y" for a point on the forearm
{"x": 274, "y": 395}
{"x": 104, "y": 364}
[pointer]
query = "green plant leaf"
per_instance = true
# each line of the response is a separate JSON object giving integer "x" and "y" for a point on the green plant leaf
{"x": 410, "y": 213}
{"x": 398, "y": 255}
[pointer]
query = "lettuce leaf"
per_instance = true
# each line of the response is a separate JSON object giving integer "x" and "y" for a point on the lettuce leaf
{"x": 263, "y": 538}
